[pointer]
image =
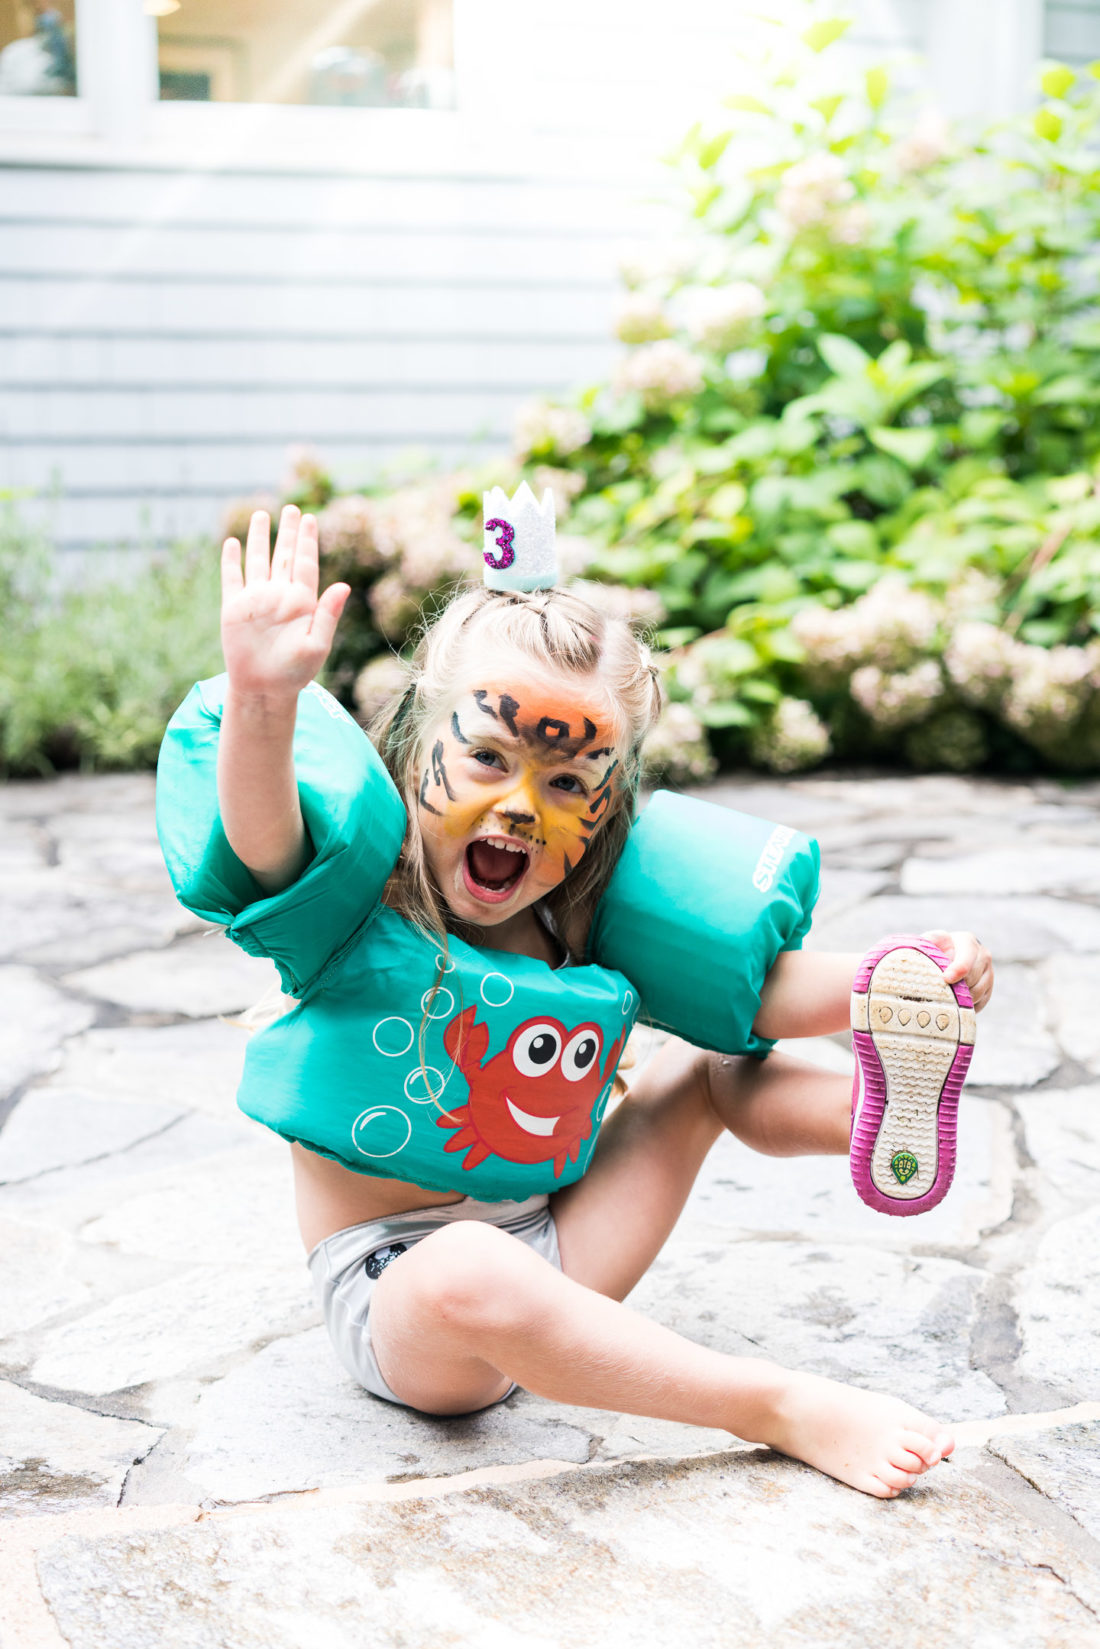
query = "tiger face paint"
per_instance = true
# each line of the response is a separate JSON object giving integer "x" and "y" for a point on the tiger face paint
{"x": 514, "y": 784}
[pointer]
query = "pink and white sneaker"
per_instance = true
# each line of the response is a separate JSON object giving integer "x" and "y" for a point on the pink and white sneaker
{"x": 913, "y": 1035}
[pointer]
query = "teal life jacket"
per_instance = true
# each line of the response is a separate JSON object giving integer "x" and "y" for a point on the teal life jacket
{"x": 469, "y": 1069}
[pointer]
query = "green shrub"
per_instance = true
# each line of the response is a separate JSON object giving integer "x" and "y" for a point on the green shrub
{"x": 90, "y": 673}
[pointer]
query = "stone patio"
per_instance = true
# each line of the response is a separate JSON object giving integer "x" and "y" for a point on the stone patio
{"x": 183, "y": 1463}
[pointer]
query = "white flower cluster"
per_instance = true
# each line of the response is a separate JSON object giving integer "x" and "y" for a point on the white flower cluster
{"x": 564, "y": 484}
{"x": 354, "y": 527}
{"x": 1050, "y": 688}
{"x": 636, "y": 604}
{"x": 816, "y": 193}
{"x": 898, "y": 699}
{"x": 980, "y": 659}
{"x": 721, "y": 317}
{"x": 545, "y": 429}
{"x": 641, "y": 319}
{"x": 378, "y": 682}
{"x": 794, "y": 737}
{"x": 660, "y": 373}
{"x": 927, "y": 142}
{"x": 891, "y": 626}
{"x": 676, "y": 750}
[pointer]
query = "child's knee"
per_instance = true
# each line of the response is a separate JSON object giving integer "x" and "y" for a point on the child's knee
{"x": 468, "y": 1276}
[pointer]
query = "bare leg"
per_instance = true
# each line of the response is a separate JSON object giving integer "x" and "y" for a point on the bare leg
{"x": 471, "y": 1307}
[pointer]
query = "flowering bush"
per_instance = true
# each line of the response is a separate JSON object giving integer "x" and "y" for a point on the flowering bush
{"x": 848, "y": 464}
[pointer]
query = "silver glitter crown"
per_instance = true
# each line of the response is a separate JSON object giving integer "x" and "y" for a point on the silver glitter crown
{"x": 519, "y": 540}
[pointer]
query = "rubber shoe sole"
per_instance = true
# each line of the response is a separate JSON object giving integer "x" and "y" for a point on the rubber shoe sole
{"x": 913, "y": 1036}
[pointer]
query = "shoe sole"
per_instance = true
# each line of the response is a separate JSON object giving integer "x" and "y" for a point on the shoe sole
{"x": 913, "y": 1036}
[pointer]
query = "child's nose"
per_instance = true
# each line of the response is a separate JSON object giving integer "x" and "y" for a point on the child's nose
{"x": 519, "y": 804}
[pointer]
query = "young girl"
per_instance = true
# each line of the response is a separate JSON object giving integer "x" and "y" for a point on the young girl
{"x": 468, "y": 886}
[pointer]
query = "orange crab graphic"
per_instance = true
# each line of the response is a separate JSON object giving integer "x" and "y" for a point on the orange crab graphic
{"x": 534, "y": 1101}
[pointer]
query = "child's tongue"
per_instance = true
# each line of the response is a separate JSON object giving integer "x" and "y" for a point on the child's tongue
{"x": 494, "y": 866}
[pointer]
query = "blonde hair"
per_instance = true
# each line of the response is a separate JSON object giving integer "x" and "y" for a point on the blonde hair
{"x": 557, "y": 631}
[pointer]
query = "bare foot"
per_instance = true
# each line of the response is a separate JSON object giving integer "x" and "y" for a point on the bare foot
{"x": 874, "y": 1443}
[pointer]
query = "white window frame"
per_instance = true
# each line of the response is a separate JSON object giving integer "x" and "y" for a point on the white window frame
{"x": 117, "y": 116}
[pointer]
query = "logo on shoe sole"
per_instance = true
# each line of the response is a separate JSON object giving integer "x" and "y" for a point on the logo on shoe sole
{"x": 903, "y": 1165}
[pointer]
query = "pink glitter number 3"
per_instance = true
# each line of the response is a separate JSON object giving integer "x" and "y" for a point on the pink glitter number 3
{"x": 505, "y": 533}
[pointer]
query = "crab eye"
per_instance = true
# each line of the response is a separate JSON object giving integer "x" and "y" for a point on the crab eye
{"x": 581, "y": 1050}
{"x": 536, "y": 1050}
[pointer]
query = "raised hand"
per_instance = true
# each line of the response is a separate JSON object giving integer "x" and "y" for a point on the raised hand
{"x": 276, "y": 633}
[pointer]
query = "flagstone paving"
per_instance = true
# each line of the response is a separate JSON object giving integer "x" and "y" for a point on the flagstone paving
{"x": 184, "y": 1463}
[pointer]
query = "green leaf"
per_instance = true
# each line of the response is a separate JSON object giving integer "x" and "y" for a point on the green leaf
{"x": 1057, "y": 80}
{"x": 877, "y": 82}
{"x": 711, "y": 152}
{"x": 746, "y": 104}
{"x": 842, "y": 355}
{"x": 727, "y": 714}
{"x": 1047, "y": 124}
{"x": 1093, "y": 69}
{"x": 827, "y": 106}
{"x": 822, "y": 34}
{"x": 913, "y": 446}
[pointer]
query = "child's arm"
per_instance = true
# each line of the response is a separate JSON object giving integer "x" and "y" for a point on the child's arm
{"x": 806, "y": 993}
{"x": 276, "y": 635}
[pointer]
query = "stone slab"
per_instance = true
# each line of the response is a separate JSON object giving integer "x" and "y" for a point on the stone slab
{"x": 68, "y": 1197}
{"x": 1032, "y": 869}
{"x": 1014, "y": 1047}
{"x": 291, "y": 1419}
{"x": 24, "y": 846}
{"x": 67, "y": 793}
{"x": 196, "y": 1066}
{"x": 732, "y": 1549}
{"x": 1063, "y": 1464}
{"x": 58, "y": 1458}
{"x": 193, "y": 1322}
{"x": 1073, "y": 997}
{"x": 1062, "y": 1135}
{"x": 42, "y": 1275}
{"x": 200, "y": 975}
{"x": 743, "y": 1193}
{"x": 891, "y": 1322}
{"x": 1015, "y": 929}
{"x": 841, "y": 890}
{"x": 55, "y": 1128}
{"x": 36, "y": 1018}
{"x": 236, "y": 1208}
{"x": 1058, "y": 1307}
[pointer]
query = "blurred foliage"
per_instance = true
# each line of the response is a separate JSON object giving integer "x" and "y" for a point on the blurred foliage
{"x": 91, "y": 672}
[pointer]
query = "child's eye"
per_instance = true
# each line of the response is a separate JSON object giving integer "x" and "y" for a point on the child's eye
{"x": 487, "y": 758}
{"x": 569, "y": 781}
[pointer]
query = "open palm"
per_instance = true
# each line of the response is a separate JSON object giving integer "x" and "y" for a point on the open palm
{"x": 276, "y": 632}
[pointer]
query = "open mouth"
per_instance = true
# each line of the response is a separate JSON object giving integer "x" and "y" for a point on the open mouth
{"x": 493, "y": 867}
{"x": 530, "y": 1124}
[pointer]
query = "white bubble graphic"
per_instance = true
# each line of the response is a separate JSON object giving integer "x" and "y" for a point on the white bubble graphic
{"x": 601, "y": 1103}
{"x": 424, "y": 1086}
{"x": 393, "y": 1037}
{"x": 438, "y": 1004}
{"x": 628, "y": 1003}
{"x": 446, "y": 963}
{"x": 381, "y": 1132}
{"x": 497, "y": 990}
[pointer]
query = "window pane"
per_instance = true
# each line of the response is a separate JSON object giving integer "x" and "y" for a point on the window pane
{"x": 37, "y": 50}
{"x": 367, "y": 53}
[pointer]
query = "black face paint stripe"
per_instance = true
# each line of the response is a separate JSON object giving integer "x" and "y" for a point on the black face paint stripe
{"x": 509, "y": 710}
{"x": 608, "y": 774}
{"x": 481, "y": 695}
{"x": 424, "y": 802}
{"x": 568, "y": 863}
{"x": 542, "y": 731}
{"x": 456, "y": 729}
{"x": 599, "y": 803}
{"x": 439, "y": 771}
{"x": 594, "y": 755}
{"x": 589, "y": 729}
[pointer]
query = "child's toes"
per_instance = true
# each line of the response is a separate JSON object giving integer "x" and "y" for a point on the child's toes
{"x": 896, "y": 1477}
{"x": 925, "y": 1449}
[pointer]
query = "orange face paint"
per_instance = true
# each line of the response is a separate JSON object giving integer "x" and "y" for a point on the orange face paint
{"x": 514, "y": 785}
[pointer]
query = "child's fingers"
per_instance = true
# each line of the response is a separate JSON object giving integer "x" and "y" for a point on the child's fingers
{"x": 306, "y": 569}
{"x": 327, "y": 614}
{"x": 282, "y": 562}
{"x": 257, "y": 547}
{"x": 232, "y": 577}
